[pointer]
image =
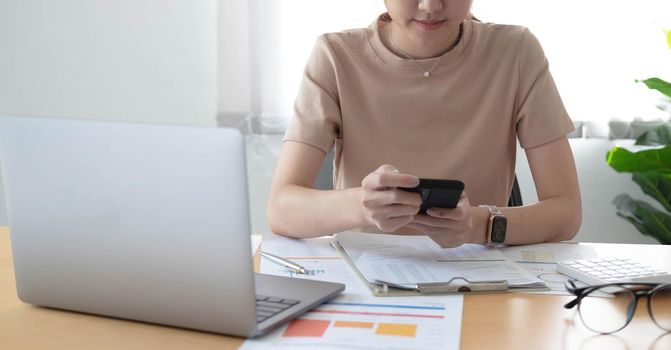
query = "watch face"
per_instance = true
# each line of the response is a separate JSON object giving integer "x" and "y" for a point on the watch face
{"x": 499, "y": 224}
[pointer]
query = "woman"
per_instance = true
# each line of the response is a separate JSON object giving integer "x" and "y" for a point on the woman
{"x": 427, "y": 91}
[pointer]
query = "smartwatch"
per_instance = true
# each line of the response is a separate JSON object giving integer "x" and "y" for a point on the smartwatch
{"x": 496, "y": 225}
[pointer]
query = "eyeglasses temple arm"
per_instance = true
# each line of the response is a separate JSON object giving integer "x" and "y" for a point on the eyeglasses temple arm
{"x": 573, "y": 289}
{"x": 571, "y": 304}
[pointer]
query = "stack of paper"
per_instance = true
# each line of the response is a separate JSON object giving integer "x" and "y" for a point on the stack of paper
{"x": 541, "y": 261}
{"x": 407, "y": 261}
{"x": 355, "y": 319}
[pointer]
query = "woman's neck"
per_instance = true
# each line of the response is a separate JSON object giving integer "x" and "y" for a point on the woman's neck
{"x": 402, "y": 46}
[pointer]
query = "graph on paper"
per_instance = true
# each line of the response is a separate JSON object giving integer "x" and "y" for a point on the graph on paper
{"x": 346, "y": 316}
{"x": 356, "y": 319}
{"x": 353, "y": 322}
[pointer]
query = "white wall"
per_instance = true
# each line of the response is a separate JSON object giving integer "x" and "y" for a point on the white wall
{"x": 150, "y": 60}
{"x": 144, "y": 61}
{"x": 596, "y": 48}
{"x": 599, "y": 184}
{"x": 235, "y": 69}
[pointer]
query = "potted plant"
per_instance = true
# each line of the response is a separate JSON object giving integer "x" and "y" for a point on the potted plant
{"x": 651, "y": 170}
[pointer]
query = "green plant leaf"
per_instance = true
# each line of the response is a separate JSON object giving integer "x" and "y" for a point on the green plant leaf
{"x": 648, "y": 220}
{"x": 661, "y": 135}
{"x": 655, "y": 185}
{"x": 658, "y": 159}
{"x": 668, "y": 38}
{"x": 657, "y": 84}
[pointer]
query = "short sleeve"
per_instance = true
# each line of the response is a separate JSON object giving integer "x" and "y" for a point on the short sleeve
{"x": 317, "y": 120}
{"x": 541, "y": 116}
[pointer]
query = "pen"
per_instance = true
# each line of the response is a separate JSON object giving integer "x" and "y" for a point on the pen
{"x": 284, "y": 262}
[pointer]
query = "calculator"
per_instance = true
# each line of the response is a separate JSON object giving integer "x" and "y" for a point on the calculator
{"x": 610, "y": 270}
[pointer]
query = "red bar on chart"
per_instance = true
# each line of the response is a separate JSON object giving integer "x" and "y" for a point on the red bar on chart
{"x": 304, "y": 327}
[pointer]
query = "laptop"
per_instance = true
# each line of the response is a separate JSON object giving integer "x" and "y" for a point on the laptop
{"x": 142, "y": 222}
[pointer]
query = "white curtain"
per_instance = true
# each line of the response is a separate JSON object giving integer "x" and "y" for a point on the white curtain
{"x": 281, "y": 35}
{"x": 596, "y": 50}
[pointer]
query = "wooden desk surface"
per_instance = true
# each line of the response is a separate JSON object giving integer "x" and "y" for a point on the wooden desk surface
{"x": 490, "y": 321}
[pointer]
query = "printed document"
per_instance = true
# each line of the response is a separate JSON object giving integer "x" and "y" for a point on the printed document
{"x": 541, "y": 261}
{"x": 356, "y": 319}
{"x": 360, "y": 322}
{"x": 409, "y": 260}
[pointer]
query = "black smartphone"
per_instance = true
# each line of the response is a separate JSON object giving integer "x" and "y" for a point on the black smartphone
{"x": 437, "y": 193}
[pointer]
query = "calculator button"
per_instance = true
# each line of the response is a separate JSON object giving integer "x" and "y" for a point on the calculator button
{"x": 599, "y": 271}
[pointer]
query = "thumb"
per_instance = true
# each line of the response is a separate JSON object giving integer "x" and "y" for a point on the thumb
{"x": 387, "y": 168}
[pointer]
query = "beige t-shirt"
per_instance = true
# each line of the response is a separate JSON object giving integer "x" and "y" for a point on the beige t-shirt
{"x": 459, "y": 123}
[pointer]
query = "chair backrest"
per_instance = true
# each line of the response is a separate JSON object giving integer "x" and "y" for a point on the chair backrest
{"x": 324, "y": 181}
{"x": 515, "y": 199}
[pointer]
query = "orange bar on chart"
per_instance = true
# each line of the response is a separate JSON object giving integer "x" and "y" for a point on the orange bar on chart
{"x": 304, "y": 327}
{"x": 405, "y": 330}
{"x": 352, "y": 324}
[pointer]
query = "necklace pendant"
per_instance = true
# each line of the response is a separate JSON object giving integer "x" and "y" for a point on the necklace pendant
{"x": 426, "y": 74}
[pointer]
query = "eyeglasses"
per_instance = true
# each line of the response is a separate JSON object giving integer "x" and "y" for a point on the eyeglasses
{"x": 608, "y": 308}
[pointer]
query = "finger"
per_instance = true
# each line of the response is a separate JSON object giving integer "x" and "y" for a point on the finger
{"x": 447, "y": 213}
{"x": 452, "y": 228}
{"x": 445, "y": 233}
{"x": 392, "y": 211}
{"x": 393, "y": 181}
{"x": 457, "y": 213}
{"x": 393, "y": 224}
{"x": 415, "y": 226}
{"x": 372, "y": 181}
{"x": 463, "y": 200}
{"x": 447, "y": 243}
{"x": 434, "y": 221}
{"x": 385, "y": 181}
{"x": 448, "y": 240}
{"x": 403, "y": 197}
{"x": 379, "y": 199}
{"x": 430, "y": 230}
{"x": 386, "y": 168}
{"x": 397, "y": 210}
{"x": 397, "y": 180}
{"x": 443, "y": 238}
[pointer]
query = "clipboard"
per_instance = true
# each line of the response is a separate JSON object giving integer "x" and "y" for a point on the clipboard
{"x": 456, "y": 285}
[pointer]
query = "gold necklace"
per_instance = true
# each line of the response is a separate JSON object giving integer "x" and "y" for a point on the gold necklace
{"x": 426, "y": 73}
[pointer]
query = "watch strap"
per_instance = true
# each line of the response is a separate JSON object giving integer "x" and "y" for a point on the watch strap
{"x": 494, "y": 211}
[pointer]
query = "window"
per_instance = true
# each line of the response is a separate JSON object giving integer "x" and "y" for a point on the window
{"x": 596, "y": 50}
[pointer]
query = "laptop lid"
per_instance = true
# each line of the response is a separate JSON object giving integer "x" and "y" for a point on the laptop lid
{"x": 145, "y": 222}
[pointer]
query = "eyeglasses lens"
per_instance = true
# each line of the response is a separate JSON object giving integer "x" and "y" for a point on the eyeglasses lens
{"x": 606, "y": 310}
{"x": 660, "y": 307}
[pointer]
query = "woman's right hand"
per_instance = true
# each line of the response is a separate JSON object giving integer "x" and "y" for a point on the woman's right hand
{"x": 383, "y": 204}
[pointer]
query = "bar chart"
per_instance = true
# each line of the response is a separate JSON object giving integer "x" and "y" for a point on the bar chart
{"x": 375, "y": 323}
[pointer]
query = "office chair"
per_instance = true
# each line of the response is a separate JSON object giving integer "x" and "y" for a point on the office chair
{"x": 324, "y": 181}
{"x": 515, "y": 199}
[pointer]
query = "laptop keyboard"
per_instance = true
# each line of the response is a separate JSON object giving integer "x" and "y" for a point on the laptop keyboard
{"x": 267, "y": 307}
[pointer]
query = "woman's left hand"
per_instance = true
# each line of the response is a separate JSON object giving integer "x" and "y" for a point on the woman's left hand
{"x": 447, "y": 227}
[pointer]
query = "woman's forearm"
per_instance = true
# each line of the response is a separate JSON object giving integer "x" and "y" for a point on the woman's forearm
{"x": 550, "y": 220}
{"x": 302, "y": 212}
